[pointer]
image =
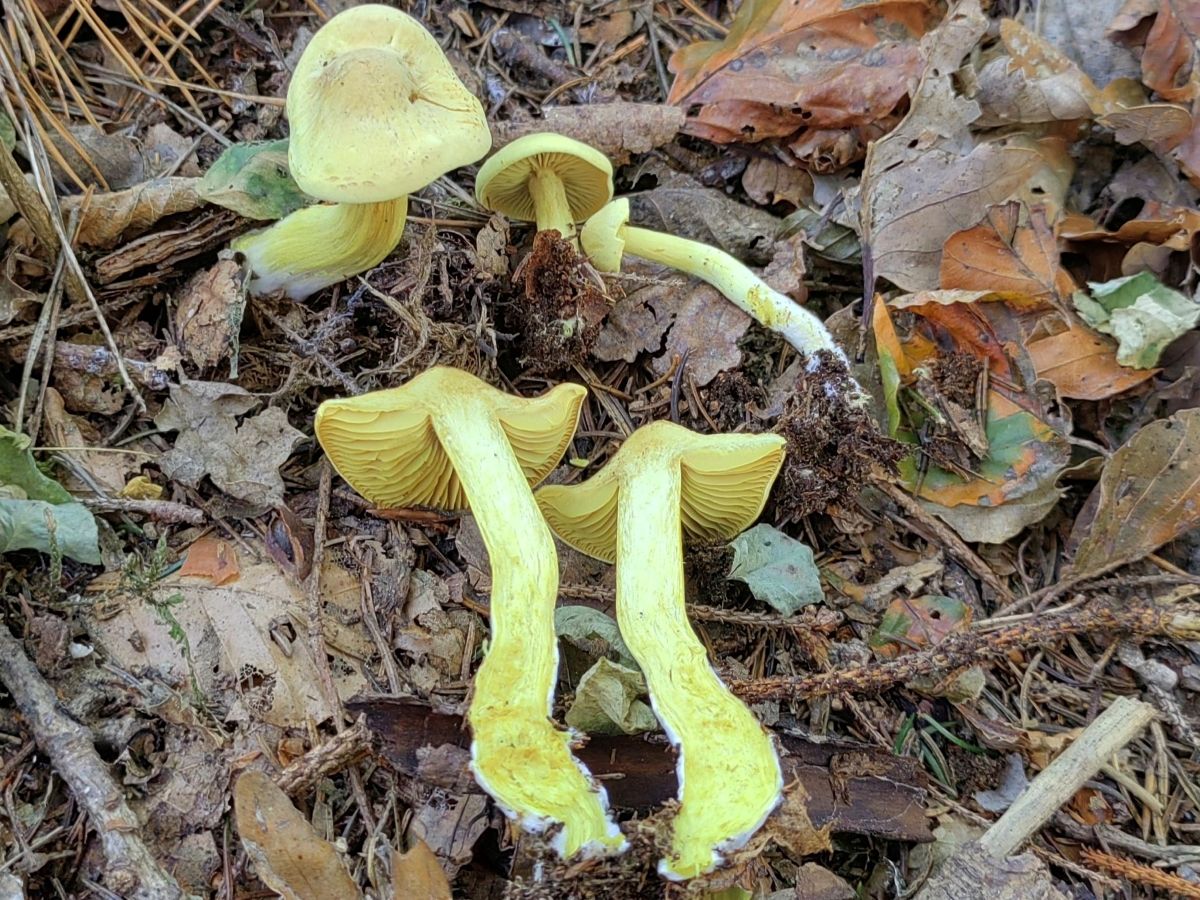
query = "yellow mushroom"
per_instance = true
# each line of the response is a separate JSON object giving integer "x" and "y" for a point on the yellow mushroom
{"x": 450, "y": 441}
{"x": 546, "y": 178}
{"x": 607, "y": 236}
{"x": 666, "y": 481}
{"x": 376, "y": 113}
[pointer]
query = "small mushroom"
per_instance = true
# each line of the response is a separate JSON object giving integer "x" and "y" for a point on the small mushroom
{"x": 665, "y": 482}
{"x": 376, "y": 112}
{"x": 546, "y": 178}
{"x": 450, "y": 441}
{"x": 607, "y": 236}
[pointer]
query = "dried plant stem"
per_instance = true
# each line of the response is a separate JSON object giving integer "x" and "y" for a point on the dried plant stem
{"x": 1058, "y": 782}
{"x": 131, "y": 871}
{"x": 159, "y": 510}
{"x": 337, "y": 753}
{"x": 1132, "y": 871}
{"x": 316, "y": 634}
{"x": 969, "y": 647}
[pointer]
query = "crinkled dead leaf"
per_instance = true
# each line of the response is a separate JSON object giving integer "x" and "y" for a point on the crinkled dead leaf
{"x": 768, "y": 181}
{"x": 786, "y": 68}
{"x": 1148, "y": 494}
{"x": 241, "y": 642}
{"x": 288, "y": 854}
{"x": 1169, "y": 55}
{"x": 254, "y": 181}
{"x": 36, "y": 512}
{"x": 707, "y": 215}
{"x": 1141, "y": 312}
{"x": 209, "y": 313}
{"x": 668, "y": 319}
{"x": 930, "y": 175}
{"x": 1079, "y": 31}
{"x": 416, "y": 873}
{"x": 1010, "y": 250}
{"x": 242, "y": 458}
{"x": 606, "y": 701}
{"x": 76, "y": 435}
{"x": 111, "y": 162}
{"x": 778, "y": 569}
{"x": 1083, "y": 365}
{"x": 913, "y": 623}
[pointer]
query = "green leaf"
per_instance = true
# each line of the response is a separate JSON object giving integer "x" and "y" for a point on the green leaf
{"x": 1141, "y": 312}
{"x": 36, "y": 512}
{"x": 8, "y": 134}
{"x": 890, "y": 375}
{"x": 778, "y": 569}
{"x": 606, "y": 701}
{"x": 910, "y": 624}
{"x": 589, "y": 635}
{"x": 254, "y": 181}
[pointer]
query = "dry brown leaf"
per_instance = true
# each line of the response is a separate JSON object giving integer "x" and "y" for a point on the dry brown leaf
{"x": 209, "y": 313}
{"x": 109, "y": 217}
{"x": 928, "y": 177}
{"x": 616, "y": 129}
{"x": 768, "y": 181}
{"x": 416, "y": 875}
{"x": 289, "y": 856}
{"x": 213, "y": 559}
{"x": 789, "y": 66}
{"x": 1148, "y": 494}
{"x": 1002, "y": 254}
{"x": 1169, "y": 64}
{"x": 1082, "y": 364}
{"x": 1033, "y": 83}
{"x": 704, "y": 214}
{"x": 1078, "y": 30}
{"x": 114, "y": 158}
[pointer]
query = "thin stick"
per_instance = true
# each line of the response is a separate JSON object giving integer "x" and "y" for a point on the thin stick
{"x": 130, "y": 870}
{"x": 316, "y": 635}
{"x": 1059, "y": 781}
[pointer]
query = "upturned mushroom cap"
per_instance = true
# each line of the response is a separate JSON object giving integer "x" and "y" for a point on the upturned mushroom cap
{"x": 725, "y": 481}
{"x": 376, "y": 110}
{"x": 502, "y": 184}
{"x": 601, "y": 238}
{"x": 384, "y": 443}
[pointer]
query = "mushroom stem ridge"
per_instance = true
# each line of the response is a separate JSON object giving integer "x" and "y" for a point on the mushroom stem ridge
{"x": 733, "y": 278}
{"x": 729, "y": 775}
{"x": 550, "y": 203}
{"x": 518, "y": 755}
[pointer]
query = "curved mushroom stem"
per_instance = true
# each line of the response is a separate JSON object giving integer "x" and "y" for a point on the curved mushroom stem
{"x": 731, "y": 277}
{"x": 550, "y": 204}
{"x": 321, "y": 245}
{"x": 518, "y": 755}
{"x": 729, "y": 776}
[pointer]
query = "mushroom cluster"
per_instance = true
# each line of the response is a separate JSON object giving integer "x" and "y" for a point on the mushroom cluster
{"x": 376, "y": 112}
{"x": 450, "y": 441}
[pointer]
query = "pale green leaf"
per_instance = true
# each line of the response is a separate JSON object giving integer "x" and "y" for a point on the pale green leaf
{"x": 778, "y": 569}
{"x": 254, "y": 181}
{"x": 606, "y": 701}
{"x": 1142, "y": 313}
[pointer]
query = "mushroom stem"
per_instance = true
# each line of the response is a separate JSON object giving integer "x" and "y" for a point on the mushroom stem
{"x": 321, "y": 245}
{"x": 550, "y": 204}
{"x": 719, "y": 741}
{"x": 731, "y": 277}
{"x": 518, "y": 755}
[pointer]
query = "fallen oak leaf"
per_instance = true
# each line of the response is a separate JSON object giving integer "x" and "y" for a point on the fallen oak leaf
{"x": 1083, "y": 365}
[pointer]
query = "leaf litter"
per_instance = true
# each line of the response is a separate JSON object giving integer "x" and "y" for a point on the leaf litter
{"x": 995, "y": 209}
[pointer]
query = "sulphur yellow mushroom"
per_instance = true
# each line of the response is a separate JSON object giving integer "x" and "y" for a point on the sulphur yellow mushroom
{"x": 607, "y": 236}
{"x": 546, "y": 178}
{"x": 665, "y": 482}
{"x": 376, "y": 112}
{"x": 450, "y": 441}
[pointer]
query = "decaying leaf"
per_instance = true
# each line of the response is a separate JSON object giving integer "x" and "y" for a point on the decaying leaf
{"x": 242, "y": 458}
{"x": 209, "y": 314}
{"x": 1083, "y": 365}
{"x": 36, "y": 512}
{"x": 910, "y": 624}
{"x": 930, "y": 175}
{"x": 236, "y": 643}
{"x": 606, "y": 701}
{"x": 707, "y": 215}
{"x": 112, "y": 162}
{"x": 617, "y": 129}
{"x": 587, "y": 635}
{"x": 1148, "y": 494}
{"x": 289, "y": 856}
{"x": 416, "y": 873}
{"x": 778, "y": 569}
{"x": 254, "y": 181}
{"x": 1141, "y": 312}
{"x": 787, "y": 68}
{"x": 211, "y": 558}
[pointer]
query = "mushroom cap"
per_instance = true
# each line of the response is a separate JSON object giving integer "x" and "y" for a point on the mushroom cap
{"x": 601, "y": 237}
{"x": 502, "y": 184}
{"x": 376, "y": 110}
{"x": 386, "y": 446}
{"x": 724, "y": 481}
